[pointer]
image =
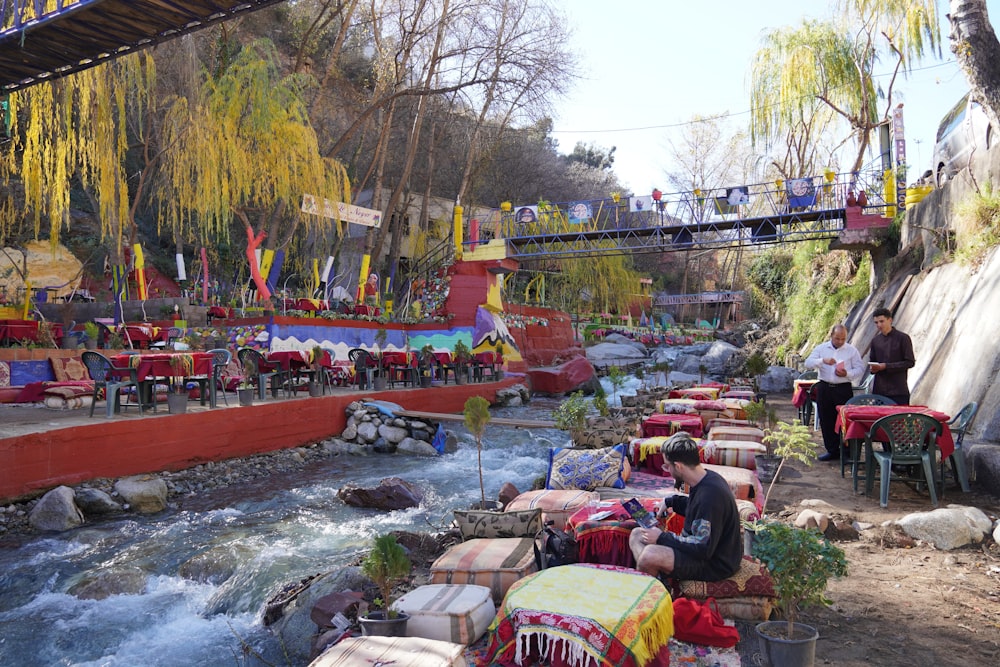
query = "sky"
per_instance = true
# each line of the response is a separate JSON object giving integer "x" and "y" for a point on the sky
{"x": 649, "y": 66}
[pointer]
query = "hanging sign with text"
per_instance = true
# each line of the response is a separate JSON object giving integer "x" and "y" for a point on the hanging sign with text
{"x": 368, "y": 217}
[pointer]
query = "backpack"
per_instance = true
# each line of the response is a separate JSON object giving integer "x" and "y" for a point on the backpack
{"x": 554, "y": 547}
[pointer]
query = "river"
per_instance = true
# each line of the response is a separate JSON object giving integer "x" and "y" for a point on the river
{"x": 269, "y": 533}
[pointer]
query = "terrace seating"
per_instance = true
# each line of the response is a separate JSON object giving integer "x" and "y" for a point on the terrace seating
{"x": 257, "y": 369}
{"x": 111, "y": 379}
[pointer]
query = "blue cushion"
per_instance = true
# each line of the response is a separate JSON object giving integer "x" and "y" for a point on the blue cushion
{"x": 586, "y": 469}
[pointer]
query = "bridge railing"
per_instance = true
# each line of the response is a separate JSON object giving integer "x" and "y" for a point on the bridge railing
{"x": 830, "y": 191}
{"x": 14, "y": 14}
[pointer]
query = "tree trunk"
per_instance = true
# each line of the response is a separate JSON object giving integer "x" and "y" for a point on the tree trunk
{"x": 974, "y": 43}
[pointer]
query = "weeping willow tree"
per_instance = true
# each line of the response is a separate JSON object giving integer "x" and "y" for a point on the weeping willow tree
{"x": 605, "y": 283}
{"x": 242, "y": 147}
{"x": 832, "y": 62}
{"x": 72, "y": 131}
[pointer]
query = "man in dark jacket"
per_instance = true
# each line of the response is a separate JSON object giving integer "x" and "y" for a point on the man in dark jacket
{"x": 709, "y": 547}
{"x": 891, "y": 356}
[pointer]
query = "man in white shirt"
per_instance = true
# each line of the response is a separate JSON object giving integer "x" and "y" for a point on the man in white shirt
{"x": 839, "y": 365}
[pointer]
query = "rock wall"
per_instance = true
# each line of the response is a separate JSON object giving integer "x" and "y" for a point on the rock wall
{"x": 950, "y": 310}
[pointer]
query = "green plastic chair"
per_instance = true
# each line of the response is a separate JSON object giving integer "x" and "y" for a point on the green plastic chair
{"x": 911, "y": 440}
{"x": 959, "y": 426}
{"x": 854, "y": 445}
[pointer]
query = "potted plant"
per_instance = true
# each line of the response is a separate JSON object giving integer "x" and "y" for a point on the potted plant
{"x": 755, "y": 366}
{"x": 380, "y": 380}
{"x": 93, "y": 333}
{"x": 477, "y": 416}
{"x": 386, "y": 565}
{"x": 245, "y": 391}
{"x": 571, "y": 415}
{"x": 463, "y": 355}
{"x": 801, "y": 562}
{"x": 786, "y": 441}
{"x": 177, "y": 397}
{"x": 755, "y": 411}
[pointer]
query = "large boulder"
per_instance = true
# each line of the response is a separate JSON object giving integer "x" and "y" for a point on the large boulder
{"x": 615, "y": 351}
{"x": 56, "y": 511}
{"x": 722, "y": 359}
{"x": 576, "y": 374}
{"x": 391, "y": 493}
{"x": 625, "y": 340}
{"x": 144, "y": 494}
{"x": 948, "y": 528}
{"x": 94, "y": 502}
{"x": 777, "y": 380}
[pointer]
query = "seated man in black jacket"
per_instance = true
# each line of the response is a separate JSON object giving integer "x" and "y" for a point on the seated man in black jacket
{"x": 709, "y": 548}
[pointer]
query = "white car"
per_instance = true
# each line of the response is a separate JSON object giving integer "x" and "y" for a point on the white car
{"x": 963, "y": 131}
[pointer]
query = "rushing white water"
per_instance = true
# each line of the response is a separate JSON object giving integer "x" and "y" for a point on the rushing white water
{"x": 259, "y": 536}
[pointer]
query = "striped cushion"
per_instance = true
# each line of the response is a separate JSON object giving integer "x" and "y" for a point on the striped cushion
{"x": 496, "y": 563}
{"x": 737, "y": 453}
{"x": 746, "y": 433}
{"x": 395, "y": 651}
{"x": 743, "y": 482}
{"x": 556, "y": 505}
{"x": 753, "y": 578}
{"x": 458, "y": 613}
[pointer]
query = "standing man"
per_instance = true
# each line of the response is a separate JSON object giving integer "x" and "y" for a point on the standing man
{"x": 890, "y": 357}
{"x": 709, "y": 547}
{"x": 839, "y": 366}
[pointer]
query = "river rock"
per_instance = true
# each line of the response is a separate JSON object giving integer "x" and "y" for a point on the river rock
{"x": 614, "y": 351}
{"x": 216, "y": 565}
{"x": 94, "y": 502}
{"x": 391, "y": 493}
{"x": 621, "y": 339}
{"x": 350, "y": 432}
{"x": 56, "y": 511}
{"x": 508, "y": 397}
{"x": 339, "y": 446}
{"x": 812, "y": 519}
{"x": 415, "y": 447}
{"x": 292, "y": 622}
{"x": 116, "y": 580}
{"x": 368, "y": 431}
{"x": 146, "y": 495}
{"x": 507, "y": 493}
{"x": 393, "y": 434}
{"x": 949, "y": 527}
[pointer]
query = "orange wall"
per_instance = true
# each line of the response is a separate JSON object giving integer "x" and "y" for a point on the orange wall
{"x": 128, "y": 446}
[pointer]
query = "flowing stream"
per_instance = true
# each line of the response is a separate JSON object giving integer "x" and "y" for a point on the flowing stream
{"x": 267, "y": 534}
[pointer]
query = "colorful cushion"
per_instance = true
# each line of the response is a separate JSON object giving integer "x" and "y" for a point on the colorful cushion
{"x": 556, "y": 506}
{"x": 732, "y": 453}
{"x": 496, "y": 563}
{"x": 717, "y": 406}
{"x": 750, "y": 608}
{"x": 675, "y": 406}
{"x": 395, "y": 651}
{"x": 748, "y": 511}
{"x": 70, "y": 369}
{"x": 586, "y": 469}
{"x": 751, "y": 579}
{"x": 479, "y": 523}
{"x": 745, "y": 433}
{"x": 458, "y": 613}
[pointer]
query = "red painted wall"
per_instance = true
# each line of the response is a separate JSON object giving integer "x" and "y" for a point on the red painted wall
{"x": 129, "y": 446}
{"x": 545, "y": 345}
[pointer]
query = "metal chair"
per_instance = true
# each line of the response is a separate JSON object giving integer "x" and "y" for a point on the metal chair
{"x": 959, "y": 426}
{"x": 220, "y": 361}
{"x": 911, "y": 440}
{"x": 364, "y": 367}
{"x": 111, "y": 379}
{"x": 854, "y": 445}
{"x": 484, "y": 364}
{"x": 253, "y": 362}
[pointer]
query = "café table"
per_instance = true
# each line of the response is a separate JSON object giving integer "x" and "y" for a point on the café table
{"x": 299, "y": 363}
{"x": 27, "y": 331}
{"x": 803, "y": 397}
{"x": 142, "y": 335}
{"x": 581, "y": 615}
{"x": 668, "y": 424}
{"x": 855, "y": 421}
{"x": 702, "y": 393}
{"x": 604, "y": 540}
{"x": 308, "y": 305}
{"x": 400, "y": 366}
{"x": 195, "y": 366}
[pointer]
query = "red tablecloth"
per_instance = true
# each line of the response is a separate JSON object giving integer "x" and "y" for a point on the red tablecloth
{"x": 667, "y": 424}
{"x": 696, "y": 393}
{"x": 26, "y": 331}
{"x": 292, "y": 360}
{"x": 855, "y": 421}
{"x": 308, "y": 305}
{"x": 142, "y": 334}
{"x": 606, "y": 540}
{"x": 219, "y": 311}
{"x": 803, "y": 391}
{"x": 148, "y": 366}
{"x": 367, "y": 310}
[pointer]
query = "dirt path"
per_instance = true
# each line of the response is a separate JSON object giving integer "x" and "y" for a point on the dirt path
{"x": 899, "y": 606}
